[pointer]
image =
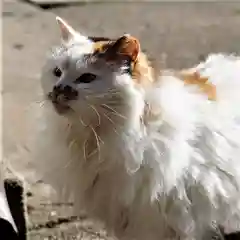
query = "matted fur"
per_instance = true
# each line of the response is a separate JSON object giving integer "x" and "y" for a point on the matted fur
{"x": 162, "y": 163}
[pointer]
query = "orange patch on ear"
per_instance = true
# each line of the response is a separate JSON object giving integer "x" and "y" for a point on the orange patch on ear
{"x": 202, "y": 82}
{"x": 124, "y": 46}
{"x": 142, "y": 72}
{"x": 130, "y": 47}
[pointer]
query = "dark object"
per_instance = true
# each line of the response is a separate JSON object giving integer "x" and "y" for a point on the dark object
{"x": 18, "y": 46}
{"x": 220, "y": 235}
{"x": 7, "y": 231}
{"x": 97, "y": 39}
{"x": 85, "y": 78}
{"x": 57, "y": 72}
{"x": 67, "y": 91}
{"x": 232, "y": 236}
{"x": 15, "y": 196}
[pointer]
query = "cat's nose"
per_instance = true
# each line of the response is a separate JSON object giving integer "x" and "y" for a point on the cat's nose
{"x": 65, "y": 91}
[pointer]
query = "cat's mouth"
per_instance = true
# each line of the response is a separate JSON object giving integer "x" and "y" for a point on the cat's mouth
{"x": 60, "y": 104}
{"x": 61, "y": 109}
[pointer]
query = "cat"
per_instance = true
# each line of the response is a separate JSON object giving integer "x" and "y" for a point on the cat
{"x": 153, "y": 155}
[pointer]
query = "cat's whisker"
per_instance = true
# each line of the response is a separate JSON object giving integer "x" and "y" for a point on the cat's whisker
{"x": 96, "y": 111}
{"x": 82, "y": 122}
{"x": 41, "y": 103}
{"x": 70, "y": 147}
{"x": 97, "y": 142}
{"x": 84, "y": 150}
{"x": 102, "y": 95}
{"x": 114, "y": 124}
{"x": 117, "y": 114}
{"x": 113, "y": 111}
{"x": 113, "y": 103}
{"x": 107, "y": 91}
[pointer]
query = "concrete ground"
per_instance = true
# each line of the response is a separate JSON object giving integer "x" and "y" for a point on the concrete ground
{"x": 174, "y": 35}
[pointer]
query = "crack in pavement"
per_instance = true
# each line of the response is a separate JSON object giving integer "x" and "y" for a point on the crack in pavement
{"x": 54, "y": 223}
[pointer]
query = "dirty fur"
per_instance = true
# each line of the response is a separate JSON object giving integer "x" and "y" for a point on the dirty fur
{"x": 152, "y": 161}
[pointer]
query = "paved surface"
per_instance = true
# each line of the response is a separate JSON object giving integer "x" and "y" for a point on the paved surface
{"x": 174, "y": 35}
{"x": 182, "y": 32}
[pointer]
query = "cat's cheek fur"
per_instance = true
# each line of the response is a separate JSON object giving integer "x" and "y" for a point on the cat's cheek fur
{"x": 48, "y": 79}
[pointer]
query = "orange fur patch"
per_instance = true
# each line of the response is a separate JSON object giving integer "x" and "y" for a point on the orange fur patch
{"x": 202, "y": 82}
{"x": 129, "y": 46}
{"x": 142, "y": 72}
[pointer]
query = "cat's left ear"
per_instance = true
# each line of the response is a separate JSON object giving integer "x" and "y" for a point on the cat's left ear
{"x": 126, "y": 45}
{"x": 68, "y": 33}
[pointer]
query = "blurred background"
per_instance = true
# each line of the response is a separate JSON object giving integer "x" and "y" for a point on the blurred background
{"x": 174, "y": 34}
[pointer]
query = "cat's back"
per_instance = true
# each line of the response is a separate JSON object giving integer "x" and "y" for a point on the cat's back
{"x": 221, "y": 72}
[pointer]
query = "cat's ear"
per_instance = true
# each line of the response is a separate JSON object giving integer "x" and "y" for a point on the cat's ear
{"x": 126, "y": 45}
{"x": 68, "y": 33}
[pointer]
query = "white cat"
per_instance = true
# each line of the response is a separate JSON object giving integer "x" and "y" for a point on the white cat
{"x": 154, "y": 156}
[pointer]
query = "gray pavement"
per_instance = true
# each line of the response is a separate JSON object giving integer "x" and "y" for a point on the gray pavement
{"x": 180, "y": 32}
{"x": 175, "y": 35}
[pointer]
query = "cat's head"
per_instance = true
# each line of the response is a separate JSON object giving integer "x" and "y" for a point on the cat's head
{"x": 91, "y": 76}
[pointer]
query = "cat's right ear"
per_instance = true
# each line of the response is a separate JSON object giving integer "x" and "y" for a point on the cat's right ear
{"x": 68, "y": 33}
{"x": 126, "y": 45}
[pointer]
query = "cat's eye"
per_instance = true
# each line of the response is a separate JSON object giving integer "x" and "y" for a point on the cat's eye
{"x": 86, "y": 78}
{"x": 57, "y": 72}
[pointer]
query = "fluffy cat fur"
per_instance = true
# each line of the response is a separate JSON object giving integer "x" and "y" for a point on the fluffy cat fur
{"x": 152, "y": 155}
